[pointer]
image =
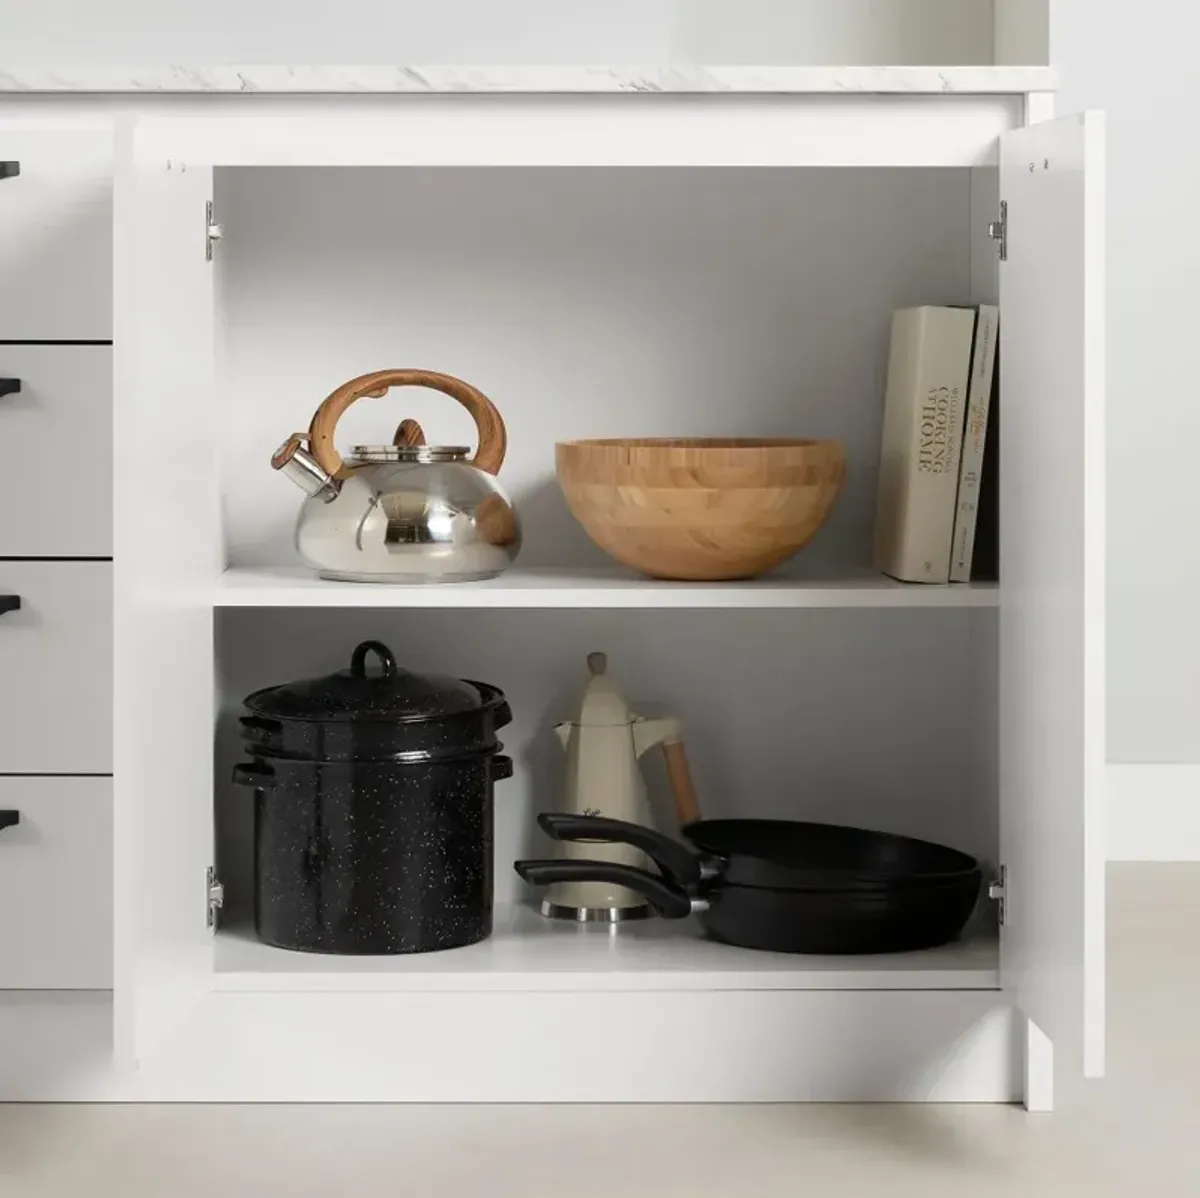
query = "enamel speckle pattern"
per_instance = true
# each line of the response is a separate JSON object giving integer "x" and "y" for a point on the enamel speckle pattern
{"x": 375, "y": 857}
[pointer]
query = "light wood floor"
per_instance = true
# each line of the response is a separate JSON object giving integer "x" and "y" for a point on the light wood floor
{"x": 1137, "y": 1134}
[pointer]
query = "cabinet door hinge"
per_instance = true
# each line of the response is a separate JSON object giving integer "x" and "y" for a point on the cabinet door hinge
{"x": 998, "y": 892}
{"x": 213, "y": 232}
{"x": 216, "y": 896}
{"x": 998, "y": 231}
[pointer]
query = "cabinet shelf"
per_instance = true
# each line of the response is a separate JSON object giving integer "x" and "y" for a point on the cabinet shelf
{"x": 529, "y": 953}
{"x": 593, "y": 588}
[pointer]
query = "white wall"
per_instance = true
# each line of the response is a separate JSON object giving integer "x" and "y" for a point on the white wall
{"x": 1137, "y": 62}
{"x": 192, "y": 32}
{"x": 845, "y": 32}
{"x": 629, "y": 32}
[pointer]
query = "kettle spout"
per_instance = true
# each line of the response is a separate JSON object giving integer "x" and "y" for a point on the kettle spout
{"x": 563, "y": 732}
{"x": 648, "y": 733}
{"x": 304, "y": 470}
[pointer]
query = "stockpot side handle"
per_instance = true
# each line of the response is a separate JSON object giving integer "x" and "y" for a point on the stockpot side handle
{"x": 257, "y": 774}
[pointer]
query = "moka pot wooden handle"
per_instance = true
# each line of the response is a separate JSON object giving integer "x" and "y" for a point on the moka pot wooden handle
{"x": 679, "y": 776}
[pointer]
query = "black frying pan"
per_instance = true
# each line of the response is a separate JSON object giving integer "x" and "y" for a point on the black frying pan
{"x": 785, "y": 886}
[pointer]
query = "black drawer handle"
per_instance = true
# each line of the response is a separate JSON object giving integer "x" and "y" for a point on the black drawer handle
{"x": 9, "y": 819}
{"x": 9, "y": 386}
{"x": 9, "y": 170}
{"x": 9, "y": 603}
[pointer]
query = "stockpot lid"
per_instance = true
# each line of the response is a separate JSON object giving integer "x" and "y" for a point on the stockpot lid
{"x": 386, "y": 693}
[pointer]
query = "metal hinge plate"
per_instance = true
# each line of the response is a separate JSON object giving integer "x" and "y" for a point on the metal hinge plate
{"x": 998, "y": 231}
{"x": 998, "y": 892}
{"x": 213, "y": 232}
{"x": 216, "y": 896}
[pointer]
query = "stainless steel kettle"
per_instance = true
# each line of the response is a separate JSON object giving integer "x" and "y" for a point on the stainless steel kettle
{"x": 405, "y": 512}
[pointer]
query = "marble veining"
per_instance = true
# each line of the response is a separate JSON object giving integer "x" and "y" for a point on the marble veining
{"x": 680, "y": 79}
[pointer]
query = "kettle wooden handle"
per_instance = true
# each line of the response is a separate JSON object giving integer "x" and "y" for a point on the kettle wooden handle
{"x": 679, "y": 775}
{"x": 493, "y": 441}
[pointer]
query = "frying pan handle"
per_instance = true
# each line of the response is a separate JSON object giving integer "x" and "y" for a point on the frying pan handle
{"x": 670, "y": 901}
{"x": 679, "y": 864}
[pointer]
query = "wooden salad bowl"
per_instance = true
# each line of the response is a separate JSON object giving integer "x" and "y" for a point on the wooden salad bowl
{"x": 704, "y": 508}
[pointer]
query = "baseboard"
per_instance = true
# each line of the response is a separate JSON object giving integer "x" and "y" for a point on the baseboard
{"x": 507, "y": 1046}
{"x": 1153, "y": 812}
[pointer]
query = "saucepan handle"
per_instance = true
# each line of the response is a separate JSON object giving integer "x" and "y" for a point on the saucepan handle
{"x": 678, "y": 863}
{"x": 669, "y": 900}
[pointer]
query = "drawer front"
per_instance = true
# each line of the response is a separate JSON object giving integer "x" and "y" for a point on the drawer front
{"x": 56, "y": 884}
{"x": 56, "y": 231}
{"x": 60, "y": 474}
{"x": 56, "y": 668}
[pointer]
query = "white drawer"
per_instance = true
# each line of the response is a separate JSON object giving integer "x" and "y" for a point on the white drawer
{"x": 56, "y": 884}
{"x": 56, "y": 231}
{"x": 59, "y": 477}
{"x": 56, "y": 664}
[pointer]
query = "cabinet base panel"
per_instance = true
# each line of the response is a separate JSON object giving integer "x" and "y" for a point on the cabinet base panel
{"x": 719, "y": 1046}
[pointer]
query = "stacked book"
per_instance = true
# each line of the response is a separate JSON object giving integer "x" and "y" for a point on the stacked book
{"x": 937, "y": 462}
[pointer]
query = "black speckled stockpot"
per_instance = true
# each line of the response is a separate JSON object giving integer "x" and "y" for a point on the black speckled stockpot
{"x": 373, "y": 809}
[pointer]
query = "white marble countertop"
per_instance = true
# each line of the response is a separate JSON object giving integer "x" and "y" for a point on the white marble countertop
{"x": 680, "y": 79}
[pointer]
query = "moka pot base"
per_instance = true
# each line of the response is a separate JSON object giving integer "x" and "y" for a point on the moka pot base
{"x": 609, "y": 915}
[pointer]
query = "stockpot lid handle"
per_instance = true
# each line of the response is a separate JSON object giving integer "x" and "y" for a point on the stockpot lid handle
{"x": 358, "y": 663}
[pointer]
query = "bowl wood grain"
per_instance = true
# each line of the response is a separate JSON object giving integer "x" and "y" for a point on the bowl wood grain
{"x": 701, "y": 509}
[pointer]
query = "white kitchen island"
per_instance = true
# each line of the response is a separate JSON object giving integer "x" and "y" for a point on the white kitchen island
{"x": 605, "y": 252}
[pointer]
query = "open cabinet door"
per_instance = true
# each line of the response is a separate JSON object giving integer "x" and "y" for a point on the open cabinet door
{"x": 1052, "y": 595}
{"x": 166, "y": 549}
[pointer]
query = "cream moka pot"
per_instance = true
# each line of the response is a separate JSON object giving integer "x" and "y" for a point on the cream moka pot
{"x": 603, "y": 745}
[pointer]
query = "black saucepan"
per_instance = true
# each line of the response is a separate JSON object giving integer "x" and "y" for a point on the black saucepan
{"x": 785, "y": 886}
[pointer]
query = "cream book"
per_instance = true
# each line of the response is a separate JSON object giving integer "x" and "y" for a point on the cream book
{"x": 924, "y": 411}
{"x": 979, "y": 400}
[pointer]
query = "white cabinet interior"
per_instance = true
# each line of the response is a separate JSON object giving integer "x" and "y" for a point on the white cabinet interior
{"x": 875, "y": 718}
{"x": 584, "y": 303}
